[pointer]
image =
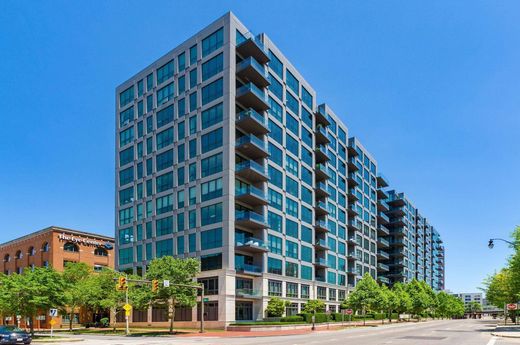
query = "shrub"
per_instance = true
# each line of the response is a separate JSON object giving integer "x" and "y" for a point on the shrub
{"x": 275, "y": 307}
{"x": 320, "y": 317}
{"x": 105, "y": 322}
{"x": 294, "y": 318}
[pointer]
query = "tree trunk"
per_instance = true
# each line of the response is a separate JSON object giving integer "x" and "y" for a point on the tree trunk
{"x": 390, "y": 316}
{"x": 71, "y": 315}
{"x": 364, "y": 317}
{"x": 171, "y": 312}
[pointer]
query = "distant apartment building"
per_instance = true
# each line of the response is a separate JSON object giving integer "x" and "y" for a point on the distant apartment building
{"x": 55, "y": 247}
{"x": 223, "y": 153}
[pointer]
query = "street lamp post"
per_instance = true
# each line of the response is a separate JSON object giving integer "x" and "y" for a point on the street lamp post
{"x": 491, "y": 243}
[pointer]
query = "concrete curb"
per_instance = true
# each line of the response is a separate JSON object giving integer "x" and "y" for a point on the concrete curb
{"x": 56, "y": 340}
{"x": 504, "y": 335}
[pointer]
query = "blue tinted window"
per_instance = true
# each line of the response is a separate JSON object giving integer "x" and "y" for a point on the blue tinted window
{"x": 212, "y": 91}
{"x": 275, "y": 64}
{"x": 292, "y": 103}
{"x": 306, "y": 97}
{"x": 211, "y": 239}
{"x": 212, "y": 115}
{"x": 213, "y": 42}
{"x": 212, "y": 67}
{"x": 292, "y": 82}
{"x": 276, "y": 87}
{"x": 165, "y": 72}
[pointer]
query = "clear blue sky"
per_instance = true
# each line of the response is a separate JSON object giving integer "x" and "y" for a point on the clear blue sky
{"x": 430, "y": 88}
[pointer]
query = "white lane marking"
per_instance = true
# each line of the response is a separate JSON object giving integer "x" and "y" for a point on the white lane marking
{"x": 492, "y": 341}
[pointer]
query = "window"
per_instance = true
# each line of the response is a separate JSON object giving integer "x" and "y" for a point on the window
{"x": 126, "y": 196}
{"x": 126, "y": 176}
{"x": 192, "y": 151}
{"x": 292, "y": 82}
{"x": 210, "y": 285}
{"x": 276, "y": 87}
{"x": 164, "y": 138}
{"x": 211, "y": 165}
{"x": 275, "y": 244}
{"x": 274, "y": 221}
{"x": 211, "y": 214}
{"x": 291, "y": 290}
{"x": 164, "y": 160}
{"x": 275, "y": 64}
{"x": 193, "y": 55}
{"x": 31, "y": 251}
{"x": 291, "y": 103}
{"x": 45, "y": 247}
{"x": 293, "y": 125}
{"x": 126, "y": 256}
{"x": 193, "y": 78}
{"x": 275, "y": 176}
{"x": 291, "y": 249}
{"x": 126, "y": 136}
{"x": 149, "y": 82}
{"x": 291, "y": 228}
{"x": 275, "y": 154}
{"x": 211, "y": 262}
{"x": 126, "y": 156}
{"x": 306, "y": 254}
{"x": 276, "y": 109}
{"x": 291, "y": 207}
{"x": 126, "y": 96}
{"x": 126, "y": 216}
{"x": 181, "y": 62}
{"x": 292, "y": 186}
{"x": 212, "y": 116}
{"x": 212, "y": 91}
{"x": 69, "y": 247}
{"x": 291, "y": 269}
{"x": 193, "y": 101}
{"x": 164, "y": 116}
{"x": 100, "y": 252}
{"x": 181, "y": 85}
{"x": 274, "y": 266}
{"x": 211, "y": 190}
{"x": 164, "y": 248}
{"x": 149, "y": 103}
{"x": 125, "y": 236}
{"x": 212, "y": 67}
{"x": 275, "y": 132}
{"x": 211, "y": 140}
{"x": 164, "y": 204}
{"x": 274, "y": 288}
{"x": 275, "y": 199}
{"x": 165, "y": 72}
{"x": 306, "y": 234}
{"x": 193, "y": 124}
{"x": 213, "y": 42}
{"x": 211, "y": 239}
{"x": 165, "y": 94}
{"x": 307, "y": 98}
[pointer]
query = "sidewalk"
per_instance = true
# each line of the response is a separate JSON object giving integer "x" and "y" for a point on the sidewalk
{"x": 512, "y": 331}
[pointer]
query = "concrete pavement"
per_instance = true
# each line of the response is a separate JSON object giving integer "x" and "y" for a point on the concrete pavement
{"x": 450, "y": 332}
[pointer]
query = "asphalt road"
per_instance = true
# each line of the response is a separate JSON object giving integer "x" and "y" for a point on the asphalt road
{"x": 452, "y": 332}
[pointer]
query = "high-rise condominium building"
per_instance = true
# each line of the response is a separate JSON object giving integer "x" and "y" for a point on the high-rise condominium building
{"x": 224, "y": 154}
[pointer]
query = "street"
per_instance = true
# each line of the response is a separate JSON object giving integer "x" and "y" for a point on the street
{"x": 451, "y": 332}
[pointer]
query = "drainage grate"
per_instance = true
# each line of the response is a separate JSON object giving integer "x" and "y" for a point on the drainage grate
{"x": 422, "y": 338}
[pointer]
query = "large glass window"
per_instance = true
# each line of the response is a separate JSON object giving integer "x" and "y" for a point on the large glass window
{"x": 275, "y": 244}
{"x": 306, "y": 254}
{"x": 126, "y": 176}
{"x": 211, "y": 165}
{"x": 212, "y": 115}
{"x": 164, "y": 226}
{"x": 164, "y": 138}
{"x": 276, "y": 87}
{"x": 291, "y": 249}
{"x": 211, "y": 214}
{"x": 164, "y": 248}
{"x": 164, "y": 116}
{"x": 211, "y": 239}
{"x": 291, "y": 269}
{"x": 211, "y": 190}
{"x": 292, "y": 82}
{"x": 126, "y": 136}
{"x": 291, "y": 103}
{"x": 211, "y": 140}
{"x": 126, "y": 256}
{"x": 126, "y": 96}
{"x": 126, "y": 116}
{"x": 164, "y": 204}
{"x": 275, "y": 199}
{"x": 306, "y": 97}
{"x": 165, "y": 72}
{"x": 212, "y": 91}
{"x": 274, "y": 288}
{"x": 126, "y": 156}
{"x": 213, "y": 42}
{"x": 165, "y": 94}
{"x": 126, "y": 196}
{"x": 275, "y": 64}
{"x": 274, "y": 266}
{"x": 212, "y": 67}
{"x": 164, "y": 160}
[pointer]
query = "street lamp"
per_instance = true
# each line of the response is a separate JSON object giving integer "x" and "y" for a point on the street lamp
{"x": 491, "y": 243}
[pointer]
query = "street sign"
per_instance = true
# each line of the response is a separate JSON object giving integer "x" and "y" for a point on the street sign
{"x": 348, "y": 311}
{"x": 166, "y": 283}
{"x": 127, "y": 307}
{"x": 53, "y": 312}
{"x": 206, "y": 299}
{"x": 127, "y": 312}
{"x": 52, "y": 322}
{"x": 512, "y": 306}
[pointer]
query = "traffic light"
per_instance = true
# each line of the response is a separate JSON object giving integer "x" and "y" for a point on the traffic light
{"x": 155, "y": 285}
{"x": 122, "y": 283}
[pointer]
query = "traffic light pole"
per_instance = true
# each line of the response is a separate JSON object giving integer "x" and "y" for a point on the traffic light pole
{"x": 202, "y": 309}
{"x": 127, "y": 317}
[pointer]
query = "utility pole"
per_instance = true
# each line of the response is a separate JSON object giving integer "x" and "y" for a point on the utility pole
{"x": 202, "y": 309}
{"x": 127, "y": 331}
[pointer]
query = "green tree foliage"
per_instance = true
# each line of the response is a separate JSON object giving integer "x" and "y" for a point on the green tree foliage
{"x": 366, "y": 296}
{"x": 314, "y": 306}
{"x": 403, "y": 300}
{"x": 177, "y": 271}
{"x": 276, "y": 307}
{"x": 35, "y": 290}
{"x": 77, "y": 287}
{"x": 421, "y": 301}
{"x": 473, "y": 307}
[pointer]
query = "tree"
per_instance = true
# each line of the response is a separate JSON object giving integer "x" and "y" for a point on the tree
{"x": 420, "y": 299}
{"x": 177, "y": 271}
{"x": 431, "y": 299}
{"x": 35, "y": 290}
{"x": 276, "y": 307}
{"x": 76, "y": 277}
{"x": 390, "y": 301}
{"x": 314, "y": 306}
{"x": 403, "y": 300}
{"x": 473, "y": 307}
{"x": 365, "y": 297}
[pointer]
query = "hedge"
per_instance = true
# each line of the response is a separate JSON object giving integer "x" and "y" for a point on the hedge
{"x": 320, "y": 317}
{"x": 294, "y": 318}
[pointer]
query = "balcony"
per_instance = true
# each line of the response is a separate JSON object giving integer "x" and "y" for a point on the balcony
{"x": 251, "y": 244}
{"x": 322, "y": 171}
{"x": 252, "y": 121}
{"x": 353, "y": 256}
{"x": 320, "y": 279}
{"x": 382, "y": 194}
{"x": 250, "y": 220}
{"x": 321, "y": 262}
{"x": 383, "y": 242}
{"x": 382, "y": 206}
{"x": 321, "y": 116}
{"x": 397, "y": 253}
{"x": 248, "y": 293}
{"x": 354, "y": 225}
{"x": 321, "y": 208}
{"x": 383, "y": 255}
{"x": 383, "y": 267}
{"x": 382, "y": 230}
{"x": 321, "y": 154}
{"x": 251, "y": 146}
{"x": 251, "y": 171}
{"x": 321, "y": 225}
{"x": 397, "y": 211}
{"x": 351, "y": 195}
{"x": 383, "y": 280}
{"x": 351, "y": 164}
{"x": 321, "y": 190}
{"x": 321, "y": 135}
{"x": 382, "y": 181}
{"x": 250, "y": 70}
{"x": 252, "y": 270}
{"x": 251, "y": 96}
{"x": 352, "y": 182}
{"x": 382, "y": 218}
{"x": 352, "y": 210}
{"x": 396, "y": 199}
{"x": 353, "y": 240}
{"x": 352, "y": 270}
{"x": 251, "y": 195}
{"x": 321, "y": 244}
{"x": 253, "y": 46}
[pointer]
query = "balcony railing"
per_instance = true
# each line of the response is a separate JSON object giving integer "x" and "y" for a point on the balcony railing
{"x": 252, "y": 190}
{"x": 252, "y": 121}
{"x": 247, "y": 268}
{"x": 251, "y": 95}
{"x": 255, "y": 243}
{"x": 253, "y": 46}
{"x": 251, "y": 218}
{"x": 248, "y": 293}
{"x": 321, "y": 243}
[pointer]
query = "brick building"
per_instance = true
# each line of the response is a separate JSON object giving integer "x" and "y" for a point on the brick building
{"x": 54, "y": 247}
